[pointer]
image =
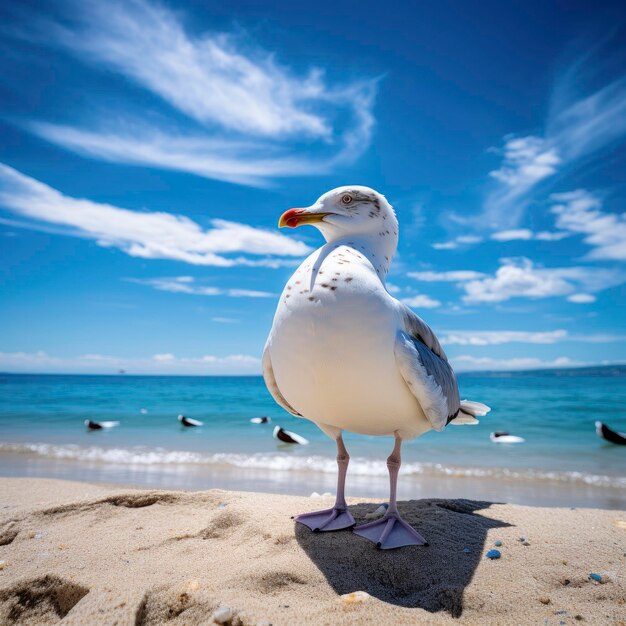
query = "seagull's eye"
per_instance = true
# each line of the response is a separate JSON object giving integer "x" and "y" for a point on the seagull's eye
{"x": 346, "y": 199}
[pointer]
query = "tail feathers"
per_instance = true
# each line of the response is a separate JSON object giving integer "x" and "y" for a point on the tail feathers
{"x": 468, "y": 413}
{"x": 477, "y": 409}
{"x": 464, "y": 420}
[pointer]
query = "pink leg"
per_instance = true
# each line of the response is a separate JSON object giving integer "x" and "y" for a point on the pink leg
{"x": 391, "y": 531}
{"x": 338, "y": 517}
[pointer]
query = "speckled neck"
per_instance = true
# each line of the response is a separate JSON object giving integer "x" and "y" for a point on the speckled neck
{"x": 379, "y": 248}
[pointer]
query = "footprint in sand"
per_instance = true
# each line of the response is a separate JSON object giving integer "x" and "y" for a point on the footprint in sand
{"x": 124, "y": 500}
{"x": 277, "y": 581}
{"x": 45, "y": 600}
{"x": 8, "y": 533}
{"x": 185, "y": 605}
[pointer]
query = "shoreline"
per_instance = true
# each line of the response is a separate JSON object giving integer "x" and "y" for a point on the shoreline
{"x": 108, "y": 554}
{"x": 476, "y": 483}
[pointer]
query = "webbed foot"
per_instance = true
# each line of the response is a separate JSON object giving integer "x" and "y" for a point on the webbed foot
{"x": 391, "y": 531}
{"x": 328, "y": 519}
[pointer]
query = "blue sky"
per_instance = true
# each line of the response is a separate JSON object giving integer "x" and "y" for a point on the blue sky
{"x": 148, "y": 148}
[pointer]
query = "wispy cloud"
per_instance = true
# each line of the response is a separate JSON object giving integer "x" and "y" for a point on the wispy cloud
{"x": 162, "y": 363}
{"x": 526, "y": 161}
{"x": 575, "y": 128}
{"x": 421, "y": 301}
{"x": 472, "y": 363}
{"x": 499, "y": 337}
{"x": 248, "y": 118}
{"x": 225, "y": 320}
{"x": 461, "y": 240}
{"x": 525, "y": 234}
{"x": 581, "y": 298}
{"x": 149, "y": 235}
{"x": 451, "y": 276}
{"x": 188, "y": 285}
{"x": 521, "y": 278}
{"x": 580, "y": 212}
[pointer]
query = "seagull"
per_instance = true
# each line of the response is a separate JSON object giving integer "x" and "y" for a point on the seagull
{"x": 264, "y": 419}
{"x": 501, "y": 436}
{"x": 286, "y": 436}
{"x": 93, "y": 425}
{"x": 189, "y": 422}
{"x": 346, "y": 355}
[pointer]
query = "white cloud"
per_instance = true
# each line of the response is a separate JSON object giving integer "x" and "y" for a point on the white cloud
{"x": 391, "y": 288}
{"x": 546, "y": 235}
{"x": 249, "y": 118}
{"x": 527, "y": 160}
{"x": 581, "y": 298}
{"x": 581, "y": 212}
{"x": 460, "y": 240}
{"x": 186, "y": 284}
{"x": 445, "y": 245}
{"x": 499, "y": 337}
{"x": 225, "y": 320}
{"x": 452, "y": 276}
{"x": 575, "y": 128}
{"x": 510, "y": 235}
{"x": 149, "y": 235}
{"x": 471, "y": 363}
{"x": 521, "y": 278}
{"x": 525, "y": 234}
{"x": 422, "y": 301}
{"x": 469, "y": 239}
{"x": 162, "y": 363}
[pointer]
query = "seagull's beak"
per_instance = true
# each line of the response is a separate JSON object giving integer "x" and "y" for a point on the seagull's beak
{"x": 296, "y": 217}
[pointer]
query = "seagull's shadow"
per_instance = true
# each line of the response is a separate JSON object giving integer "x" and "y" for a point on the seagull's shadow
{"x": 429, "y": 577}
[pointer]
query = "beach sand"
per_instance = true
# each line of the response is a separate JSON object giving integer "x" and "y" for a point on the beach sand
{"x": 97, "y": 554}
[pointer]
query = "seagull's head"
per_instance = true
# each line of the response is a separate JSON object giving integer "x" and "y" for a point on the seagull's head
{"x": 345, "y": 212}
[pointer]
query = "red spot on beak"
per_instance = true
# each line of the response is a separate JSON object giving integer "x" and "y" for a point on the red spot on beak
{"x": 291, "y": 218}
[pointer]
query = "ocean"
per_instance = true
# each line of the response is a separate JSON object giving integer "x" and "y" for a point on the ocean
{"x": 561, "y": 463}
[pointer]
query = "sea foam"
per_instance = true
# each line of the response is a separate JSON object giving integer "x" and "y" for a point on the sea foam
{"x": 281, "y": 462}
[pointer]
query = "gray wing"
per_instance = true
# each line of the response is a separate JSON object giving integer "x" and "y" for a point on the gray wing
{"x": 424, "y": 366}
{"x": 272, "y": 387}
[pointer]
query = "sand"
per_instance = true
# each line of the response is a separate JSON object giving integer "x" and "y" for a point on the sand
{"x": 96, "y": 554}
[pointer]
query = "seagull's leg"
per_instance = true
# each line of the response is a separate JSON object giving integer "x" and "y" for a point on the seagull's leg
{"x": 391, "y": 531}
{"x": 338, "y": 517}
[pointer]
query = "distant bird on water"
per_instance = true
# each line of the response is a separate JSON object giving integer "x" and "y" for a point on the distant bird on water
{"x": 286, "y": 436}
{"x": 189, "y": 422}
{"x": 93, "y": 425}
{"x": 264, "y": 419}
{"x": 610, "y": 435}
{"x": 345, "y": 354}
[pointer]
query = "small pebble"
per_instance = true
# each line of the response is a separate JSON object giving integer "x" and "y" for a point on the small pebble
{"x": 381, "y": 510}
{"x": 561, "y": 612}
{"x": 222, "y": 615}
{"x": 522, "y": 539}
{"x": 221, "y": 505}
{"x": 498, "y": 543}
{"x": 596, "y": 577}
{"x": 2, "y": 564}
{"x": 544, "y": 600}
{"x": 356, "y": 597}
{"x": 493, "y": 554}
{"x": 525, "y": 543}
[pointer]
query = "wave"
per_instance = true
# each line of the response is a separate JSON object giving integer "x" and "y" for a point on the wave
{"x": 143, "y": 456}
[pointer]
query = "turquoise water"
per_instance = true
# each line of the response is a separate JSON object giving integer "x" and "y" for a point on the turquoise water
{"x": 42, "y": 433}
